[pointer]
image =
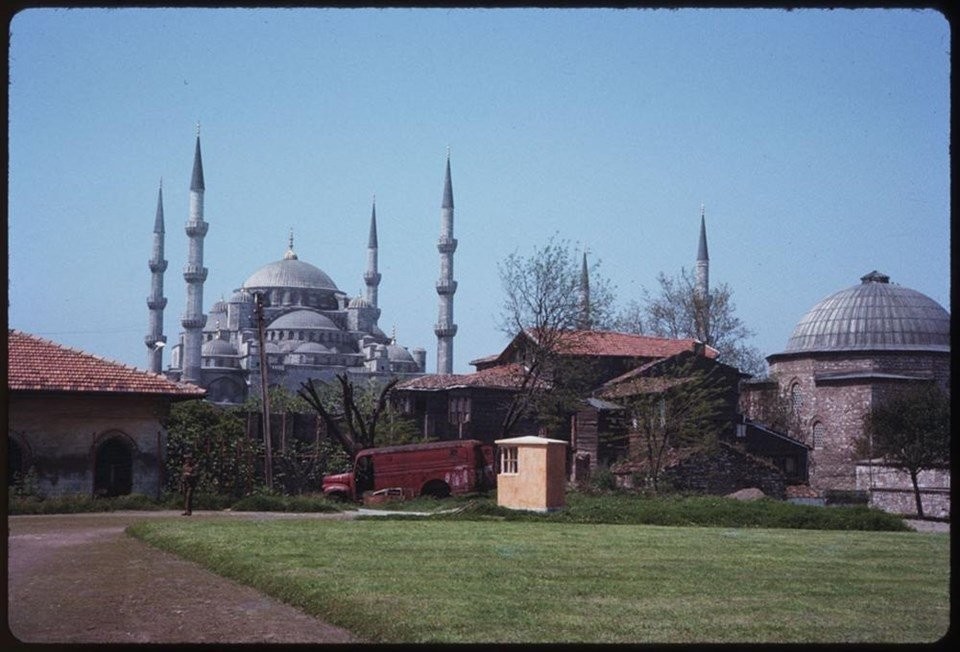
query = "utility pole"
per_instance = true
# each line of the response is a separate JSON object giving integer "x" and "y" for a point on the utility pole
{"x": 259, "y": 300}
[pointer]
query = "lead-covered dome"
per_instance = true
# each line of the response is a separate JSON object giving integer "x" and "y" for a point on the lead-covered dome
{"x": 290, "y": 272}
{"x": 302, "y": 319}
{"x": 874, "y": 315}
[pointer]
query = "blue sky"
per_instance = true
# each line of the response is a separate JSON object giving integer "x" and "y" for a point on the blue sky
{"x": 818, "y": 141}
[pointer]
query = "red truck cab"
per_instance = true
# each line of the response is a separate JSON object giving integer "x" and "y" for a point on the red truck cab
{"x": 437, "y": 469}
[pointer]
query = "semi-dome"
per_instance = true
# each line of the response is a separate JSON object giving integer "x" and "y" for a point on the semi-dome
{"x": 302, "y": 319}
{"x": 311, "y": 347}
{"x": 218, "y": 347}
{"x": 874, "y": 315}
{"x": 359, "y": 302}
{"x": 397, "y": 353}
{"x": 290, "y": 273}
{"x": 241, "y": 296}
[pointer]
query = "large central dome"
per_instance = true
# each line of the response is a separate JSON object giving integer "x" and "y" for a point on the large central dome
{"x": 290, "y": 273}
{"x": 873, "y": 315}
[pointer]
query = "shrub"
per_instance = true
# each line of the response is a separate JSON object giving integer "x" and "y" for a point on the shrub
{"x": 602, "y": 479}
{"x": 264, "y": 501}
{"x": 681, "y": 510}
{"x": 75, "y": 504}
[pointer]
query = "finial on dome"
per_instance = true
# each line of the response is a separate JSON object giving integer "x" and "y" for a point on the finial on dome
{"x": 875, "y": 277}
{"x": 393, "y": 334}
{"x": 290, "y": 255}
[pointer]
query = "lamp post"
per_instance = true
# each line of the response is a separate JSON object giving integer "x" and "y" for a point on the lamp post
{"x": 259, "y": 301}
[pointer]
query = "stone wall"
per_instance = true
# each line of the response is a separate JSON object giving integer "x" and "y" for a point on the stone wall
{"x": 720, "y": 472}
{"x": 59, "y": 435}
{"x": 724, "y": 471}
{"x": 891, "y": 490}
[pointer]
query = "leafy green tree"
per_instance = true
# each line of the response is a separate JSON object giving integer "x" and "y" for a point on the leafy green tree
{"x": 910, "y": 431}
{"x": 678, "y": 311}
{"x": 216, "y": 438}
{"x": 546, "y": 298}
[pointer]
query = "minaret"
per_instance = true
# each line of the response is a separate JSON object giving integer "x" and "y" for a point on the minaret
{"x": 372, "y": 277}
{"x": 583, "y": 318}
{"x": 701, "y": 290}
{"x": 194, "y": 273}
{"x": 446, "y": 286}
{"x": 156, "y": 302}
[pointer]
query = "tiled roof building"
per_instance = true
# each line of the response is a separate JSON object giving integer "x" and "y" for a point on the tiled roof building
{"x": 84, "y": 425}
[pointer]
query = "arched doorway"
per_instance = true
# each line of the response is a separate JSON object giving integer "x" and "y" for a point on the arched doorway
{"x": 113, "y": 474}
{"x": 14, "y": 461}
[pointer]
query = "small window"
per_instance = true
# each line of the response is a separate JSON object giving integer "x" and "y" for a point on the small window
{"x": 459, "y": 409}
{"x": 818, "y": 435}
{"x": 508, "y": 459}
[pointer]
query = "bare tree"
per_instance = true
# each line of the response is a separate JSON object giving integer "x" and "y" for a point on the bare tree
{"x": 546, "y": 304}
{"x": 683, "y": 408}
{"x": 679, "y": 311}
{"x": 358, "y": 412}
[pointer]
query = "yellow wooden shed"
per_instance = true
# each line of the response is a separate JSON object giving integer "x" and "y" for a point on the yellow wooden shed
{"x": 532, "y": 473}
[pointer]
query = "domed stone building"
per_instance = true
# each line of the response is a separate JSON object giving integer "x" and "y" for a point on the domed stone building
{"x": 311, "y": 329}
{"x": 846, "y": 355}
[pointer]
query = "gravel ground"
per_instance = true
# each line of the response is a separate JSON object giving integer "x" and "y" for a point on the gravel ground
{"x": 80, "y": 579}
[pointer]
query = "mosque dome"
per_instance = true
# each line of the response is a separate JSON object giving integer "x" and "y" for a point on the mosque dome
{"x": 241, "y": 296}
{"x": 311, "y": 347}
{"x": 219, "y": 306}
{"x": 397, "y": 353}
{"x": 359, "y": 302}
{"x": 218, "y": 347}
{"x": 290, "y": 272}
{"x": 874, "y": 315}
{"x": 301, "y": 320}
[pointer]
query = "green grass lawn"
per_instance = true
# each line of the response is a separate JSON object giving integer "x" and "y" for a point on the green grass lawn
{"x": 502, "y": 581}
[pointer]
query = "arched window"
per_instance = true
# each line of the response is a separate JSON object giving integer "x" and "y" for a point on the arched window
{"x": 796, "y": 397}
{"x": 818, "y": 435}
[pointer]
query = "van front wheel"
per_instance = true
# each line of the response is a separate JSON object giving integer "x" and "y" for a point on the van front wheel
{"x": 436, "y": 488}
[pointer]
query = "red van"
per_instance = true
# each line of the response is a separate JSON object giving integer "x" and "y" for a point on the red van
{"x": 438, "y": 469}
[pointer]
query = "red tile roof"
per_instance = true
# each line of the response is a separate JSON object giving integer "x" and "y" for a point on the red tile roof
{"x": 607, "y": 344}
{"x": 610, "y": 343}
{"x": 36, "y": 364}
{"x": 506, "y": 376}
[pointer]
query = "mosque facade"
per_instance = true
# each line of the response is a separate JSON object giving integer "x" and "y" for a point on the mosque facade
{"x": 288, "y": 317}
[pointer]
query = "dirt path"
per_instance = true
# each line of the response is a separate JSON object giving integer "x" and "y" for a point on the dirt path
{"x": 80, "y": 579}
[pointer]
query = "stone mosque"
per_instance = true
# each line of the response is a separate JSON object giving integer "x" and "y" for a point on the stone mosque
{"x": 310, "y": 328}
{"x": 849, "y": 353}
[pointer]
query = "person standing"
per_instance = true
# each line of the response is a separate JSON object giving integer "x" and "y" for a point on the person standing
{"x": 188, "y": 482}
